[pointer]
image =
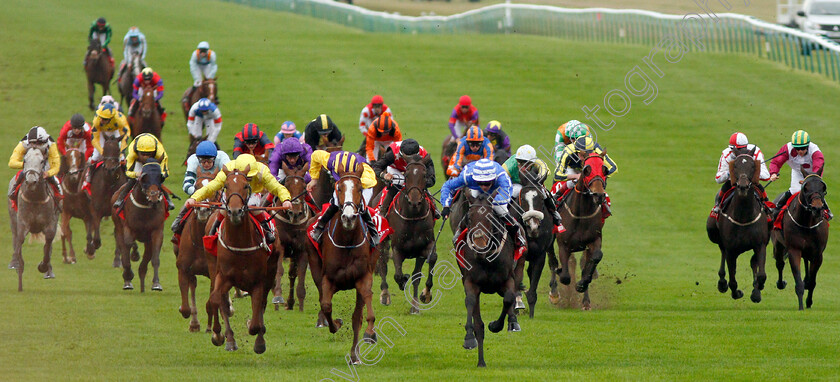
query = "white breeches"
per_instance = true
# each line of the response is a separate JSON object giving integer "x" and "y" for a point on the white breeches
{"x": 97, "y": 156}
{"x": 499, "y": 209}
{"x": 367, "y": 193}
{"x": 795, "y": 178}
{"x": 398, "y": 179}
{"x": 195, "y": 128}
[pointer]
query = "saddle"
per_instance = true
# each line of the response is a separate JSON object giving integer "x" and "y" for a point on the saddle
{"x": 726, "y": 199}
{"x": 778, "y": 220}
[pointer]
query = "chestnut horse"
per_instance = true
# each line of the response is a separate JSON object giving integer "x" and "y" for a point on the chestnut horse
{"x": 207, "y": 89}
{"x": 803, "y": 237}
{"x": 348, "y": 259}
{"x": 99, "y": 70}
{"x": 76, "y": 204}
{"x": 292, "y": 238}
{"x": 582, "y": 216}
{"x": 243, "y": 261}
{"x": 742, "y": 226}
{"x": 106, "y": 178}
{"x": 147, "y": 118}
{"x": 141, "y": 219}
{"x": 190, "y": 258}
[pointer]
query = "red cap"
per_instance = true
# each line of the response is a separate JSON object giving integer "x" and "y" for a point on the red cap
{"x": 465, "y": 101}
{"x": 738, "y": 140}
{"x": 377, "y": 99}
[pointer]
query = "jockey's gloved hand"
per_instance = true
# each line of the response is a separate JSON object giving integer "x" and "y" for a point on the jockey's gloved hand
{"x": 556, "y": 217}
{"x": 445, "y": 212}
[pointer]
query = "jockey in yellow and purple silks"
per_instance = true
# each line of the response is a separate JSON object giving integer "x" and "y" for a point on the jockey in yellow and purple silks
{"x": 471, "y": 147}
{"x": 342, "y": 161}
{"x": 37, "y": 137}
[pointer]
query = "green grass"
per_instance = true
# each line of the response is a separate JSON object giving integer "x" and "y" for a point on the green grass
{"x": 664, "y": 321}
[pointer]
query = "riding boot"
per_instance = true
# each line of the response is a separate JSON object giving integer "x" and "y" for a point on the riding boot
{"x": 269, "y": 232}
{"x": 552, "y": 209}
{"x": 515, "y": 232}
{"x": 782, "y": 202}
{"x": 126, "y": 188}
{"x": 316, "y": 232}
{"x": 170, "y": 205}
{"x": 828, "y": 213}
{"x": 162, "y": 112}
{"x": 216, "y": 224}
{"x": 723, "y": 189}
{"x": 391, "y": 191}
{"x": 371, "y": 227}
{"x": 59, "y": 195}
{"x": 14, "y": 189}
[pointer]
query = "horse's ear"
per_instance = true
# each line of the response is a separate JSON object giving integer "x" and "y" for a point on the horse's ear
{"x": 283, "y": 166}
{"x": 757, "y": 171}
{"x": 246, "y": 170}
{"x": 603, "y": 153}
{"x": 341, "y": 141}
{"x": 226, "y": 171}
{"x": 586, "y": 171}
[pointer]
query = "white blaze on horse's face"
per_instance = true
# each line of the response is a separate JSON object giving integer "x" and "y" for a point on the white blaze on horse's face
{"x": 532, "y": 217}
{"x": 348, "y": 197}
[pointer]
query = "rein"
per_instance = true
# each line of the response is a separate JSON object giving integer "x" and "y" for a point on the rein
{"x": 354, "y": 246}
{"x": 822, "y": 219}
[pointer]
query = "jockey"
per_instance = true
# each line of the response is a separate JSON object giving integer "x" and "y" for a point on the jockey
{"x": 737, "y": 141}
{"x": 260, "y": 179}
{"x": 204, "y": 114}
{"x": 206, "y": 159}
{"x": 568, "y": 133}
{"x": 484, "y": 177}
{"x": 252, "y": 141}
{"x": 203, "y": 64}
{"x": 144, "y": 147}
{"x": 381, "y": 133}
{"x": 499, "y": 139}
{"x": 101, "y": 30}
{"x": 134, "y": 42}
{"x": 318, "y": 128}
{"x": 37, "y": 137}
{"x": 147, "y": 77}
{"x": 75, "y": 134}
{"x": 346, "y": 161}
{"x": 391, "y": 167}
{"x": 373, "y": 110}
{"x": 463, "y": 115}
{"x": 525, "y": 159}
{"x": 294, "y": 154}
{"x": 108, "y": 122}
{"x": 471, "y": 147}
{"x": 800, "y": 154}
{"x": 570, "y": 166}
{"x": 287, "y": 130}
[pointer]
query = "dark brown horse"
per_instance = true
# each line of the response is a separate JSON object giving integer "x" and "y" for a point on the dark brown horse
{"x": 582, "y": 216}
{"x": 487, "y": 266}
{"x": 141, "y": 219}
{"x": 413, "y": 223}
{"x": 207, "y": 89}
{"x": 348, "y": 260}
{"x": 76, "y": 204}
{"x": 99, "y": 70}
{"x": 36, "y": 212}
{"x": 106, "y": 178}
{"x": 803, "y": 237}
{"x": 147, "y": 119}
{"x": 325, "y": 185}
{"x": 292, "y": 239}
{"x": 190, "y": 258}
{"x": 125, "y": 83}
{"x": 742, "y": 226}
{"x": 243, "y": 261}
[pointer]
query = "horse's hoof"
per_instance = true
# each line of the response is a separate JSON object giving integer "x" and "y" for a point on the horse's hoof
{"x": 581, "y": 287}
{"x": 370, "y": 337}
{"x": 514, "y": 327}
{"x": 565, "y": 280}
{"x": 519, "y": 304}
{"x": 470, "y": 344}
{"x": 135, "y": 255}
{"x": 90, "y": 256}
{"x": 496, "y": 326}
{"x": 737, "y": 294}
{"x": 13, "y": 264}
{"x": 414, "y": 310}
{"x": 217, "y": 339}
{"x": 586, "y": 307}
{"x": 43, "y": 268}
{"x": 278, "y": 300}
{"x": 426, "y": 296}
{"x": 781, "y": 284}
{"x": 481, "y": 364}
{"x": 66, "y": 261}
{"x": 554, "y": 298}
{"x": 338, "y": 323}
{"x": 385, "y": 299}
{"x": 722, "y": 286}
{"x": 49, "y": 275}
{"x": 231, "y": 346}
{"x": 194, "y": 328}
{"x": 355, "y": 362}
{"x": 128, "y": 286}
{"x": 117, "y": 263}
{"x": 755, "y": 296}
{"x": 73, "y": 260}
{"x": 157, "y": 287}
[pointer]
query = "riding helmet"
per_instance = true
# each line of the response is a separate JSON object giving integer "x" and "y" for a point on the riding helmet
{"x": 409, "y": 147}
{"x": 206, "y": 149}
{"x": 800, "y": 139}
{"x": 77, "y": 121}
{"x": 474, "y": 134}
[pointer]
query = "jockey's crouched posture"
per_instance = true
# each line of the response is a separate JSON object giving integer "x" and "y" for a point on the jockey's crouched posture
{"x": 521, "y": 165}
{"x": 207, "y": 159}
{"x": 570, "y": 166}
{"x": 484, "y": 177}
{"x": 391, "y": 167}
{"x": 260, "y": 178}
{"x": 144, "y": 147}
{"x": 37, "y": 137}
{"x": 345, "y": 161}
{"x": 738, "y": 141}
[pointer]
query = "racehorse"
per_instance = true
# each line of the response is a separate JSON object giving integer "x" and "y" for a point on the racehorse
{"x": 76, "y": 204}
{"x": 450, "y": 144}
{"x": 583, "y": 219}
{"x": 190, "y": 258}
{"x": 292, "y": 238}
{"x": 487, "y": 266}
{"x": 142, "y": 220}
{"x": 413, "y": 223}
{"x": 36, "y": 212}
{"x": 530, "y": 211}
{"x": 207, "y": 89}
{"x": 106, "y": 178}
{"x": 126, "y": 81}
{"x": 147, "y": 119}
{"x": 803, "y": 236}
{"x": 99, "y": 70}
{"x": 346, "y": 259}
{"x": 742, "y": 226}
{"x": 243, "y": 260}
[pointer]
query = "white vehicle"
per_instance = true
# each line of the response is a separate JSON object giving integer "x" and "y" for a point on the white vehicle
{"x": 818, "y": 17}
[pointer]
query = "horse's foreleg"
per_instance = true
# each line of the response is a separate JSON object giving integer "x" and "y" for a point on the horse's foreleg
{"x": 257, "y": 326}
{"x": 91, "y": 90}
{"x": 814, "y": 267}
{"x": 471, "y": 303}
{"x": 779, "y": 256}
{"x": 184, "y": 287}
{"x": 194, "y": 325}
{"x": 416, "y": 275}
{"x": 123, "y": 244}
{"x": 400, "y": 277}
{"x": 45, "y": 266}
{"x": 535, "y": 269}
{"x": 357, "y": 325}
{"x": 278, "y": 281}
{"x": 563, "y": 254}
{"x": 327, "y": 291}
{"x": 508, "y": 292}
{"x": 553, "y": 294}
{"x": 732, "y": 264}
{"x": 479, "y": 330}
{"x": 722, "y": 285}
{"x": 426, "y": 296}
{"x": 144, "y": 265}
{"x": 66, "y": 238}
{"x": 89, "y": 246}
{"x": 794, "y": 257}
{"x": 301, "y": 278}
{"x": 382, "y": 269}
{"x": 759, "y": 276}
{"x": 593, "y": 257}
{"x": 17, "y": 256}
{"x": 155, "y": 244}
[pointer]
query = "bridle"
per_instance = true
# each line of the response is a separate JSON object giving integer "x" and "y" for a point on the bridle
{"x": 586, "y": 184}
{"x": 810, "y": 196}
{"x": 295, "y": 201}
{"x": 492, "y": 235}
{"x": 732, "y": 220}
{"x": 356, "y": 207}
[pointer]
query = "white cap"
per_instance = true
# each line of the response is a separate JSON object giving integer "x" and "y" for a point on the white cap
{"x": 204, "y": 45}
{"x": 527, "y": 153}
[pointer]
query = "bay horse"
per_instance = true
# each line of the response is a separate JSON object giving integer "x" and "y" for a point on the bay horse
{"x": 583, "y": 219}
{"x": 190, "y": 258}
{"x": 141, "y": 219}
{"x": 292, "y": 238}
{"x": 346, "y": 260}
{"x": 243, "y": 261}
{"x": 106, "y": 178}
{"x": 36, "y": 212}
{"x": 742, "y": 226}
{"x": 99, "y": 70}
{"x": 413, "y": 223}
{"x": 487, "y": 266}
{"x": 76, "y": 204}
{"x": 803, "y": 237}
{"x": 207, "y": 89}
{"x": 530, "y": 211}
{"x": 125, "y": 83}
{"x": 147, "y": 119}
